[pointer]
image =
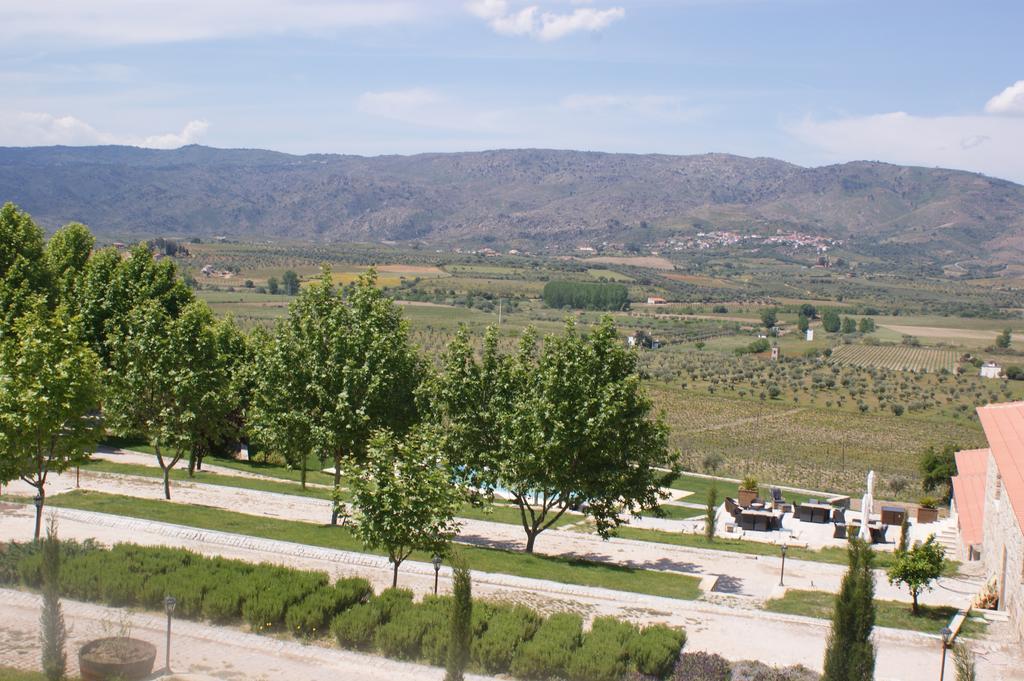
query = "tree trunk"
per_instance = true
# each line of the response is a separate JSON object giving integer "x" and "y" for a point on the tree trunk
{"x": 334, "y": 509}
{"x": 531, "y": 538}
{"x": 39, "y": 512}
{"x": 167, "y": 484}
{"x": 302, "y": 475}
{"x": 192, "y": 459}
{"x": 394, "y": 577}
{"x": 915, "y": 607}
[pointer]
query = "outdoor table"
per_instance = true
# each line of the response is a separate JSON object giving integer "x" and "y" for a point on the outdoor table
{"x": 893, "y": 515}
{"x": 759, "y": 521}
{"x": 816, "y": 513}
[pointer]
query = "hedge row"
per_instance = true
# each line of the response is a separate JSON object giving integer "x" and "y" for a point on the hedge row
{"x": 507, "y": 639}
{"x": 265, "y": 596}
{"x": 510, "y": 639}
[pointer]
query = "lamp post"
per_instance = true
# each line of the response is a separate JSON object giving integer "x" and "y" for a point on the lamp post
{"x": 169, "y": 603}
{"x": 945, "y": 633}
{"x": 437, "y": 569}
{"x": 782, "y": 572}
{"x": 38, "y": 501}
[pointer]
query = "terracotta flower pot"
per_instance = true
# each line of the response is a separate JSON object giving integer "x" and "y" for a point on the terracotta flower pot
{"x": 117, "y": 657}
{"x": 747, "y": 496}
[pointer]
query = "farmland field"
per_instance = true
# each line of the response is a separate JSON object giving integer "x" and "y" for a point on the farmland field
{"x": 896, "y": 357}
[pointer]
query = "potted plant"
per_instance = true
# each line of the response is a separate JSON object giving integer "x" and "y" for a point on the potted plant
{"x": 747, "y": 491}
{"x": 928, "y": 510}
{"x": 116, "y": 657}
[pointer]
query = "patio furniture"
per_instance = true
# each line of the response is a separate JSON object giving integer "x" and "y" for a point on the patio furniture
{"x": 893, "y": 515}
{"x": 814, "y": 512}
{"x": 732, "y": 508}
{"x": 840, "y": 502}
{"x": 758, "y": 521}
{"x": 878, "y": 533}
{"x": 838, "y": 515}
{"x": 840, "y": 531}
{"x": 777, "y": 495}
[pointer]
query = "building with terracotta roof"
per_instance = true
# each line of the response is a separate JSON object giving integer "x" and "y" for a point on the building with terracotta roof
{"x": 988, "y": 502}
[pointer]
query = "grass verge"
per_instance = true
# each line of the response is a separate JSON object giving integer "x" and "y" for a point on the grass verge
{"x": 891, "y": 614}
{"x": 830, "y": 554}
{"x": 563, "y": 570}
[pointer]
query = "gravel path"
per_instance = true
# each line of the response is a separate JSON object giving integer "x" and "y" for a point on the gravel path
{"x": 732, "y": 630}
{"x": 198, "y": 651}
{"x": 742, "y": 575}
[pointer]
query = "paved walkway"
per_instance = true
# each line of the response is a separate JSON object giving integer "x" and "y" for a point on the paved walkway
{"x": 735, "y": 632}
{"x": 198, "y": 651}
{"x": 742, "y": 575}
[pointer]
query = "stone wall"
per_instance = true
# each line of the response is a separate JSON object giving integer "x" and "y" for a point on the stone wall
{"x": 1003, "y": 548}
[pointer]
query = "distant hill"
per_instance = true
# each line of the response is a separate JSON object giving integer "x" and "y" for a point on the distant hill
{"x": 526, "y": 197}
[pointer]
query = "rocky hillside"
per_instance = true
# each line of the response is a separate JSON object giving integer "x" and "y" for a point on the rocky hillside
{"x": 516, "y": 197}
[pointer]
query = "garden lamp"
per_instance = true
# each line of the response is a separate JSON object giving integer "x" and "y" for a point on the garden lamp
{"x": 782, "y": 572}
{"x": 38, "y": 501}
{"x": 437, "y": 569}
{"x": 946, "y": 633}
{"x": 169, "y": 603}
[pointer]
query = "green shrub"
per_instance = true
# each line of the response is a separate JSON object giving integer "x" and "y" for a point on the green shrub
{"x": 604, "y": 654}
{"x": 354, "y": 628}
{"x": 311, "y": 616}
{"x": 656, "y": 649}
{"x": 223, "y": 603}
{"x": 701, "y": 667}
{"x": 403, "y": 634}
{"x": 547, "y": 654}
{"x": 498, "y": 633}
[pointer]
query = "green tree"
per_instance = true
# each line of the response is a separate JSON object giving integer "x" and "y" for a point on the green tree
{"x": 49, "y": 392}
{"x": 67, "y": 255}
{"x": 830, "y": 321}
{"x": 938, "y": 466}
{"x": 405, "y": 496}
{"x": 585, "y": 295}
{"x": 711, "y": 513}
{"x": 111, "y": 287}
{"x": 1004, "y": 339}
{"x": 23, "y": 273}
{"x": 460, "y": 624}
{"x": 168, "y": 381}
{"x": 357, "y": 371}
{"x": 849, "y": 652}
{"x": 52, "y": 633}
{"x": 272, "y": 286}
{"x": 568, "y": 426}
{"x": 290, "y": 283}
{"x": 918, "y": 568}
{"x": 866, "y": 325}
{"x": 803, "y": 323}
{"x": 769, "y": 317}
{"x": 808, "y": 311}
{"x": 849, "y": 325}
{"x": 904, "y": 543}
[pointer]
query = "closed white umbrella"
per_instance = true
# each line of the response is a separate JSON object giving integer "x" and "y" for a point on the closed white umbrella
{"x": 865, "y": 508}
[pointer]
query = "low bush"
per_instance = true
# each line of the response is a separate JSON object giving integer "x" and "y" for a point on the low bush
{"x": 655, "y": 650}
{"x": 312, "y": 616}
{"x": 498, "y": 631}
{"x": 357, "y": 627}
{"x": 547, "y": 654}
{"x": 402, "y": 636}
{"x": 604, "y": 655}
{"x": 752, "y": 670}
{"x": 701, "y": 666}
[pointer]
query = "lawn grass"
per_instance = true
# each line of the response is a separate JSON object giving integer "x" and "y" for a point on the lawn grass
{"x": 495, "y": 513}
{"x": 891, "y": 614}
{"x": 700, "y": 486}
{"x": 556, "y": 569}
{"x": 830, "y": 554}
{"x": 12, "y": 674}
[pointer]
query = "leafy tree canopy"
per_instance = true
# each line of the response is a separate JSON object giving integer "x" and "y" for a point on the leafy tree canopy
{"x": 918, "y": 568}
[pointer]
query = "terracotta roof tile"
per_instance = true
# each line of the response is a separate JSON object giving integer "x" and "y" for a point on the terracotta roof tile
{"x": 969, "y": 492}
{"x": 1004, "y": 429}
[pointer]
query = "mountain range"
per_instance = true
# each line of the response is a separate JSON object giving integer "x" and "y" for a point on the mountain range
{"x": 523, "y": 198}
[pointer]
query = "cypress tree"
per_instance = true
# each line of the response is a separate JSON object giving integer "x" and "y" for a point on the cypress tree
{"x": 52, "y": 633}
{"x": 850, "y": 654}
{"x": 711, "y": 513}
{"x": 904, "y": 535}
{"x": 460, "y": 624}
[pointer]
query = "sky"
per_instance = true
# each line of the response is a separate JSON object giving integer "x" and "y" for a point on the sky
{"x": 932, "y": 83}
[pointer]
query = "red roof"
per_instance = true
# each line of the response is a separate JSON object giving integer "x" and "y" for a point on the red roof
{"x": 969, "y": 492}
{"x": 1004, "y": 429}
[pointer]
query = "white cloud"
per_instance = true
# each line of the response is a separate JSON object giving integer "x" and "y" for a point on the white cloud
{"x": 1009, "y": 101}
{"x": 987, "y": 144}
{"x": 160, "y": 21}
{"x": 531, "y": 21}
{"x": 22, "y": 128}
{"x": 648, "y": 106}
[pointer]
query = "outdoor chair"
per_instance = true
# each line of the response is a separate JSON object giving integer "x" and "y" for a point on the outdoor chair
{"x": 732, "y": 508}
{"x": 840, "y": 531}
{"x": 777, "y": 495}
{"x": 878, "y": 534}
{"x": 803, "y": 513}
{"x": 838, "y": 515}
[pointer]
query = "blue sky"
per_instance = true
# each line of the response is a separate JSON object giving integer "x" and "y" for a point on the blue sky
{"x": 809, "y": 81}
